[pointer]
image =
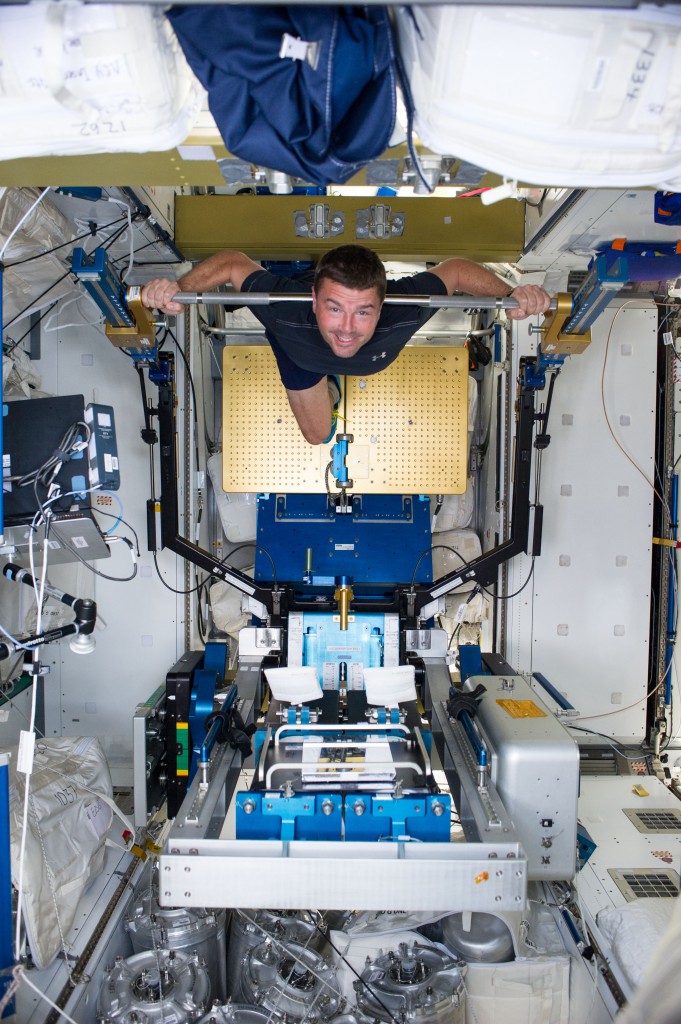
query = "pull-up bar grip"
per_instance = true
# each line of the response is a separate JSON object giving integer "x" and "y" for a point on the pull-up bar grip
{"x": 434, "y": 301}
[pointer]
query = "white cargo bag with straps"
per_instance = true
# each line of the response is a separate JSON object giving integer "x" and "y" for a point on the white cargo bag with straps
{"x": 547, "y": 95}
{"x": 69, "y": 816}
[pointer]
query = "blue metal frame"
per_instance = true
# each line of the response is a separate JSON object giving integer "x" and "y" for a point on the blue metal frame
{"x": 101, "y": 282}
{"x": 560, "y": 700}
{"x": 379, "y": 541}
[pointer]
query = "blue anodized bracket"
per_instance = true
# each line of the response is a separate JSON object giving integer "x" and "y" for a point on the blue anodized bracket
{"x": 202, "y": 698}
{"x": 100, "y": 281}
{"x": 535, "y": 371}
{"x": 424, "y": 818}
{"x": 299, "y": 816}
{"x": 339, "y": 453}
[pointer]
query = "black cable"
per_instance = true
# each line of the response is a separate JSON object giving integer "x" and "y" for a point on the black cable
{"x": 98, "y": 572}
{"x": 48, "y": 309}
{"x": 37, "y": 299}
{"x": 359, "y": 977}
{"x": 116, "y": 235}
{"x": 610, "y": 741}
{"x": 120, "y": 519}
{"x": 60, "y": 455}
{"x": 457, "y": 629}
{"x": 507, "y": 597}
{"x": 435, "y": 547}
{"x": 192, "y": 590}
{"x": 208, "y": 441}
{"x": 109, "y": 242}
{"x": 258, "y": 547}
{"x": 62, "y": 245}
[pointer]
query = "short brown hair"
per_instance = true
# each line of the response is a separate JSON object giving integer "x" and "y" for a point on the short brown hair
{"x": 354, "y": 267}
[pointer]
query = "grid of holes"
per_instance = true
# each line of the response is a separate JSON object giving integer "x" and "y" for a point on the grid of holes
{"x": 637, "y": 882}
{"x": 262, "y": 447}
{"x": 413, "y": 419}
{"x": 655, "y": 820}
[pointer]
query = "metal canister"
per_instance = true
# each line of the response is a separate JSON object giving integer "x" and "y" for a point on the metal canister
{"x": 236, "y": 1013}
{"x": 291, "y": 980}
{"x": 413, "y": 984}
{"x": 187, "y": 930}
{"x": 154, "y": 987}
{"x": 488, "y": 938}
{"x": 250, "y": 927}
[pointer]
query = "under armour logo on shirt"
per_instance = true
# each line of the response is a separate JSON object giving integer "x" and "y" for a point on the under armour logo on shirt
{"x": 375, "y": 359}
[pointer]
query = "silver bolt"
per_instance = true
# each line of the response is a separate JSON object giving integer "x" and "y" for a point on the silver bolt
{"x": 359, "y": 807}
{"x": 327, "y": 807}
{"x": 438, "y": 809}
{"x": 248, "y": 806}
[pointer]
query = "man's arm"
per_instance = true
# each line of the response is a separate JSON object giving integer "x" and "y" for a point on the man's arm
{"x": 472, "y": 279}
{"x": 228, "y": 267}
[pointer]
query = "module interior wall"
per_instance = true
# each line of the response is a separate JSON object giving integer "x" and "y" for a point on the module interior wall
{"x": 138, "y": 622}
{"x": 583, "y": 621}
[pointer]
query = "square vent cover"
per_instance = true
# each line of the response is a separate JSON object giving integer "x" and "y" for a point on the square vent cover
{"x": 654, "y": 820}
{"x": 637, "y": 883}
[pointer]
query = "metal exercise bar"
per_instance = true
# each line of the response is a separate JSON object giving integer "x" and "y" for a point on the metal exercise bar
{"x": 267, "y": 298}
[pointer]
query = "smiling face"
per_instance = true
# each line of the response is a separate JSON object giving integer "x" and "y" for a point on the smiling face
{"x": 346, "y": 317}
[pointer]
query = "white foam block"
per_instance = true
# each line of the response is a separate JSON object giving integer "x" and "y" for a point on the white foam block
{"x": 294, "y": 685}
{"x": 388, "y": 686}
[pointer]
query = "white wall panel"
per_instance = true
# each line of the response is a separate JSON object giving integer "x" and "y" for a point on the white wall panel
{"x": 140, "y": 626}
{"x": 583, "y": 620}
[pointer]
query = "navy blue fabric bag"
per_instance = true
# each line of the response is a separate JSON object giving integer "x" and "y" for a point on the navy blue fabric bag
{"x": 320, "y": 117}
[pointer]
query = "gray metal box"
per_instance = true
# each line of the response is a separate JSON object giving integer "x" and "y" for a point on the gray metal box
{"x": 535, "y": 767}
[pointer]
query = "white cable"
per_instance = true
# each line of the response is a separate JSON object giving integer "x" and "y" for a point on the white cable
{"x": 39, "y": 594}
{"x": 126, "y": 207}
{"x": 25, "y": 216}
{"x": 47, "y": 326}
{"x": 62, "y": 1013}
{"x": 14, "y": 640}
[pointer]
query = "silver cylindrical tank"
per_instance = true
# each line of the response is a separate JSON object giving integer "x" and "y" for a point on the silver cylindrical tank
{"x": 186, "y": 930}
{"x": 236, "y": 1013}
{"x": 291, "y": 979}
{"x": 250, "y": 927}
{"x": 413, "y": 983}
{"x": 487, "y": 940}
{"x": 160, "y": 987}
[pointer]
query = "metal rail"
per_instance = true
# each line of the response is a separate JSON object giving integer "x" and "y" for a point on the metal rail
{"x": 268, "y": 298}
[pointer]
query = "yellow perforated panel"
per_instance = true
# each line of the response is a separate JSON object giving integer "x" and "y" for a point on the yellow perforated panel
{"x": 262, "y": 447}
{"x": 409, "y": 424}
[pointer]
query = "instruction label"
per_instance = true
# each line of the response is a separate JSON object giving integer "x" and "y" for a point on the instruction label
{"x": 522, "y": 708}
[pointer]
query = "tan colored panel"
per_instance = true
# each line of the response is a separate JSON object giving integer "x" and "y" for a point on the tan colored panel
{"x": 262, "y": 447}
{"x": 263, "y": 227}
{"x": 410, "y": 424}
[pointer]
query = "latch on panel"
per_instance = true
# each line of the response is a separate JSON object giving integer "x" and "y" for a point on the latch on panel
{"x": 377, "y": 222}
{"x": 319, "y": 221}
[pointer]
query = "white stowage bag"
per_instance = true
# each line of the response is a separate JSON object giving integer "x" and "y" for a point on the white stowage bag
{"x": 69, "y": 815}
{"x": 549, "y": 96}
{"x": 30, "y": 284}
{"x": 92, "y": 78}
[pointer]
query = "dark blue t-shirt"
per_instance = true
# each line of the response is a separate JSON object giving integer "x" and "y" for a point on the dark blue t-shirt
{"x": 303, "y": 356}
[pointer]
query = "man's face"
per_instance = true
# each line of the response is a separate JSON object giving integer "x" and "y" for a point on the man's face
{"x": 346, "y": 317}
